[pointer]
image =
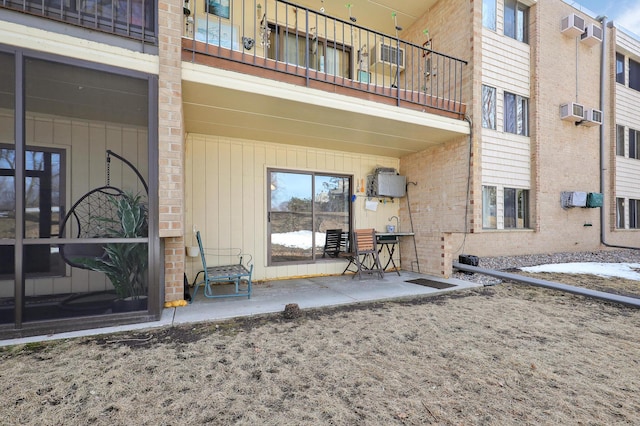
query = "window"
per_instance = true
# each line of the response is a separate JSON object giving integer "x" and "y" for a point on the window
{"x": 302, "y": 206}
{"x": 620, "y": 213}
{"x": 326, "y": 56}
{"x": 634, "y": 75}
{"x": 620, "y": 140}
{"x": 634, "y": 214}
{"x": 489, "y": 207}
{"x": 516, "y": 20}
{"x": 516, "y": 208}
{"x": 619, "y": 68}
{"x": 488, "y": 107}
{"x": 634, "y": 139}
{"x": 516, "y": 114}
{"x": 489, "y": 14}
{"x": 44, "y": 201}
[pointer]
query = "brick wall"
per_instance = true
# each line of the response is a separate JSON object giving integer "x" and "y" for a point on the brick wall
{"x": 564, "y": 157}
{"x": 171, "y": 146}
{"x": 442, "y": 199}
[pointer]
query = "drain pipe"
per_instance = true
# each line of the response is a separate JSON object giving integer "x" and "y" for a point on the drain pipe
{"x": 603, "y": 83}
{"x": 608, "y": 297}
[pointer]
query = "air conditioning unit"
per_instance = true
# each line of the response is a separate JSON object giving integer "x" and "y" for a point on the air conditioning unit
{"x": 572, "y": 25}
{"x": 572, "y": 112}
{"x": 592, "y": 117}
{"x": 578, "y": 199}
{"x": 388, "y": 56}
{"x": 592, "y": 35}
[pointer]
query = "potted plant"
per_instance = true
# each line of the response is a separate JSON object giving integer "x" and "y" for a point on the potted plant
{"x": 125, "y": 264}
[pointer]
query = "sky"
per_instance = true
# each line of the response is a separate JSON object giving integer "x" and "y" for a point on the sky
{"x": 624, "y": 12}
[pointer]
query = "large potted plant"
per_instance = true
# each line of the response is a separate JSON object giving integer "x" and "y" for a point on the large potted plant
{"x": 125, "y": 264}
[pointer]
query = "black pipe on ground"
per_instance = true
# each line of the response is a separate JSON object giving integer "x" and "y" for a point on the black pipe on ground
{"x": 609, "y": 297}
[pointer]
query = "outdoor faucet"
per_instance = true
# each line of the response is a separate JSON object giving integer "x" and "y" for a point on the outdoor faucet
{"x": 397, "y": 222}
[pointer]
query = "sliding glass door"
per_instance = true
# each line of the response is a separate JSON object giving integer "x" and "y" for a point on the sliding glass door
{"x": 302, "y": 206}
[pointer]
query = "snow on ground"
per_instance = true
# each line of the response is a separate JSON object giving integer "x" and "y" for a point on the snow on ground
{"x": 298, "y": 239}
{"x": 630, "y": 271}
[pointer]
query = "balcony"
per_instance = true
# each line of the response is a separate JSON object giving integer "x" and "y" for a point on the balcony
{"x": 135, "y": 19}
{"x": 307, "y": 47}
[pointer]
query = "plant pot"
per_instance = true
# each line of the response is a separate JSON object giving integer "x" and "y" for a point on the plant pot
{"x": 193, "y": 251}
{"x": 129, "y": 304}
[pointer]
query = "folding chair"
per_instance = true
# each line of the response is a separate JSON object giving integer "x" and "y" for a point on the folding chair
{"x": 332, "y": 243}
{"x": 366, "y": 253}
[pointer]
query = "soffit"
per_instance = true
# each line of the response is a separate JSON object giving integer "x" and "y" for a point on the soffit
{"x": 235, "y": 105}
{"x": 374, "y": 14}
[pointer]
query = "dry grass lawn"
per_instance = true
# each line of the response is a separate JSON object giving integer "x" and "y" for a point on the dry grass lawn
{"x": 508, "y": 354}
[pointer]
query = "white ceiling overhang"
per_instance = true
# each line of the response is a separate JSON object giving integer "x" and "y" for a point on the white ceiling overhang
{"x": 235, "y": 105}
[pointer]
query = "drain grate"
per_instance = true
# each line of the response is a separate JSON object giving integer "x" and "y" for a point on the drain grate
{"x": 430, "y": 283}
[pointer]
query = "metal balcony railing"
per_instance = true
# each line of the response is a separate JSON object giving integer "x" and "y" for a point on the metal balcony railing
{"x": 292, "y": 39}
{"x": 130, "y": 18}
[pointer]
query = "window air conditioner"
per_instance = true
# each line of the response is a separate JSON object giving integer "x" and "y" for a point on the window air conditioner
{"x": 578, "y": 199}
{"x": 387, "y": 55}
{"x": 572, "y": 25}
{"x": 592, "y": 35}
{"x": 572, "y": 112}
{"x": 592, "y": 117}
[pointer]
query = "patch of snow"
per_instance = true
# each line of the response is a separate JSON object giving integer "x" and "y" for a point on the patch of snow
{"x": 630, "y": 271}
{"x": 298, "y": 239}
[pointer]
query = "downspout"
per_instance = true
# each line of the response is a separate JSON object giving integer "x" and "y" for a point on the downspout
{"x": 601, "y": 295}
{"x": 603, "y": 168}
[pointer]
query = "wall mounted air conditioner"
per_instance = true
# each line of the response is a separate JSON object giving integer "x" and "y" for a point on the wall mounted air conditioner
{"x": 387, "y": 55}
{"x": 572, "y": 112}
{"x": 592, "y": 117}
{"x": 592, "y": 35}
{"x": 578, "y": 199}
{"x": 572, "y": 25}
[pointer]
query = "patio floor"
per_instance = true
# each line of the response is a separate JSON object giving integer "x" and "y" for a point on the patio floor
{"x": 272, "y": 296}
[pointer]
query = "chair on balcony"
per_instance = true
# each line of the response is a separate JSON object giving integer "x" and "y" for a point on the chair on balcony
{"x": 366, "y": 256}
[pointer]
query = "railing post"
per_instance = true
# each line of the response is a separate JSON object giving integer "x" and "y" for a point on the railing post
{"x": 306, "y": 38}
{"x": 397, "y": 82}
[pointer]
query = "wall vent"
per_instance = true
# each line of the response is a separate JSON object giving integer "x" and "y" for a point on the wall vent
{"x": 592, "y": 35}
{"x": 572, "y": 25}
{"x": 572, "y": 112}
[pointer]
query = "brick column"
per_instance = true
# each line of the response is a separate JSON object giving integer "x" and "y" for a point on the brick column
{"x": 171, "y": 145}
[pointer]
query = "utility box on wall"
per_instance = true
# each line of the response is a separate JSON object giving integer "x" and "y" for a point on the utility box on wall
{"x": 581, "y": 199}
{"x": 595, "y": 199}
{"x": 386, "y": 183}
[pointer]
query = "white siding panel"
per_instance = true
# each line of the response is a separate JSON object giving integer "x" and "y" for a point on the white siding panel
{"x": 627, "y": 107}
{"x": 506, "y": 63}
{"x": 506, "y": 160}
{"x": 627, "y": 177}
{"x": 627, "y": 44}
{"x": 226, "y": 195}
